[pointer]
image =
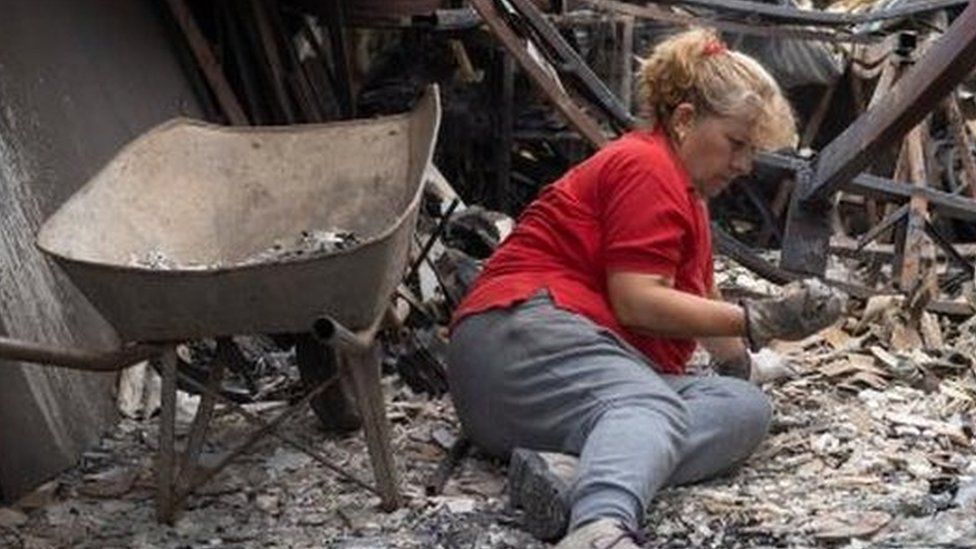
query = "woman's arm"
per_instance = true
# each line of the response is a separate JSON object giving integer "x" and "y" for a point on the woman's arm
{"x": 723, "y": 349}
{"x": 649, "y": 304}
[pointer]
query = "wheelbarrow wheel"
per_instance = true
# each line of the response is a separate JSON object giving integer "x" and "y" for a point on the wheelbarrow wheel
{"x": 335, "y": 406}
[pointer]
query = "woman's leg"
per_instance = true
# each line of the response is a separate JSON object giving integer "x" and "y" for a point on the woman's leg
{"x": 727, "y": 419}
{"x": 538, "y": 377}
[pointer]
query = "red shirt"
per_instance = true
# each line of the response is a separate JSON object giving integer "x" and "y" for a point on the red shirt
{"x": 630, "y": 207}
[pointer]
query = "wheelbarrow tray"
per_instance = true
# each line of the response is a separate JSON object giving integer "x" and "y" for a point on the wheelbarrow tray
{"x": 209, "y": 197}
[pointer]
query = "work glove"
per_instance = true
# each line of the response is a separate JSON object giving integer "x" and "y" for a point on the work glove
{"x": 762, "y": 367}
{"x": 805, "y": 307}
{"x": 768, "y": 365}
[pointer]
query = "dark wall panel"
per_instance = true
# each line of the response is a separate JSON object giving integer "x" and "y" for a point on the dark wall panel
{"x": 77, "y": 81}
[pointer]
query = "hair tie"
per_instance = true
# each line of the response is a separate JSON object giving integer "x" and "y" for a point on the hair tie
{"x": 714, "y": 47}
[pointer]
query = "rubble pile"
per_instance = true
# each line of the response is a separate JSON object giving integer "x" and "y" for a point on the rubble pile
{"x": 872, "y": 444}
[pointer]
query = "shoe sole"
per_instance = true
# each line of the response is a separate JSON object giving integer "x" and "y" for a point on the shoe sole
{"x": 535, "y": 489}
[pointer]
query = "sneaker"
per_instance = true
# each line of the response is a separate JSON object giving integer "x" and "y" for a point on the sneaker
{"x": 601, "y": 534}
{"x": 539, "y": 483}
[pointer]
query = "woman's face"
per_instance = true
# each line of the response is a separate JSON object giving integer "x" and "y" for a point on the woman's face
{"x": 715, "y": 149}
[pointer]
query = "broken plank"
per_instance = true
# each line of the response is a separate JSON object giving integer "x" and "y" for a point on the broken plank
{"x": 909, "y": 260}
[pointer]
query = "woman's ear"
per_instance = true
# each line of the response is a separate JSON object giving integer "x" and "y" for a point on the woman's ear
{"x": 682, "y": 120}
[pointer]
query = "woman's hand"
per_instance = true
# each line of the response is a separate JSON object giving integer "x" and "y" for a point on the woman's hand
{"x": 805, "y": 308}
{"x": 762, "y": 367}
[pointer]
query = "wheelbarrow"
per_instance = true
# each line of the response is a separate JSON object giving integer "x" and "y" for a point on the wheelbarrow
{"x": 169, "y": 240}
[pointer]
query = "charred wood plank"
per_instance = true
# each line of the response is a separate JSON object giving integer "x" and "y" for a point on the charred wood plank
{"x": 579, "y": 120}
{"x": 504, "y": 141}
{"x": 744, "y": 255}
{"x": 846, "y": 247}
{"x": 457, "y": 452}
{"x": 881, "y": 188}
{"x": 909, "y": 259}
{"x": 272, "y": 59}
{"x": 569, "y": 61}
{"x": 943, "y": 203}
{"x": 885, "y": 224}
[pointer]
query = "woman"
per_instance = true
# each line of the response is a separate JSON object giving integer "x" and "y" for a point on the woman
{"x": 576, "y": 336}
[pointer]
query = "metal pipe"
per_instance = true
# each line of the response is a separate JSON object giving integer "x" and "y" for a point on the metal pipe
{"x": 329, "y": 332}
{"x": 75, "y": 359}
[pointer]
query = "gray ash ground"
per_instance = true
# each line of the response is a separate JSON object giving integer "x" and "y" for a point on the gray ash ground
{"x": 833, "y": 473}
{"x": 864, "y": 451}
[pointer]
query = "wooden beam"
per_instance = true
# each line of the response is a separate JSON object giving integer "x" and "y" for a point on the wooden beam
{"x": 269, "y": 47}
{"x": 739, "y": 252}
{"x": 908, "y": 264}
{"x": 917, "y": 92}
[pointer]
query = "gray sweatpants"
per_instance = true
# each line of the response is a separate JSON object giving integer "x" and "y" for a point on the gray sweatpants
{"x": 539, "y": 377}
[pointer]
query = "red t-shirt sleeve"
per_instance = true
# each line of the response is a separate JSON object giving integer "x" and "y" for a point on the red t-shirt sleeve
{"x": 643, "y": 219}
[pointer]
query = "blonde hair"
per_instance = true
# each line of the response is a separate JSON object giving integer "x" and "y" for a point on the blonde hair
{"x": 695, "y": 67}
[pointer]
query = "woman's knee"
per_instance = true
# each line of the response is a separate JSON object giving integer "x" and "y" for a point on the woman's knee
{"x": 752, "y": 407}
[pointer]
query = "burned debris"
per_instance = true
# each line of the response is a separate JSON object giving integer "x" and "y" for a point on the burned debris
{"x": 873, "y": 433}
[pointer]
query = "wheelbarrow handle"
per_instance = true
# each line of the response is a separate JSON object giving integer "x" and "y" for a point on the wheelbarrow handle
{"x": 330, "y": 332}
{"x": 75, "y": 359}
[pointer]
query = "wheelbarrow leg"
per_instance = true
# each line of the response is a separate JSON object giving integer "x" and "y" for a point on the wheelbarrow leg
{"x": 363, "y": 368}
{"x": 165, "y": 465}
{"x": 201, "y": 422}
